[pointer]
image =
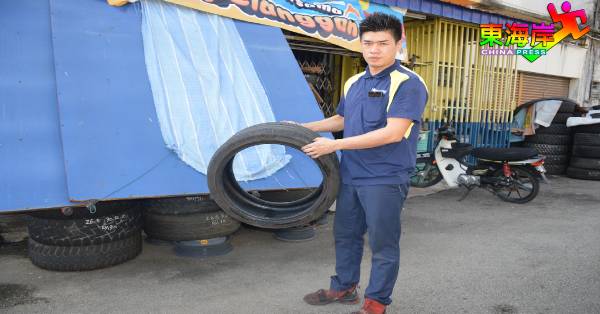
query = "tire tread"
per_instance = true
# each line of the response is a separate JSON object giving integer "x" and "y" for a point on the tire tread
{"x": 78, "y": 258}
{"x": 587, "y": 139}
{"x": 189, "y": 227}
{"x": 548, "y": 149}
{"x": 584, "y": 174}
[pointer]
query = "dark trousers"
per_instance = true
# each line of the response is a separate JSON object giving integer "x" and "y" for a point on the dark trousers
{"x": 374, "y": 209}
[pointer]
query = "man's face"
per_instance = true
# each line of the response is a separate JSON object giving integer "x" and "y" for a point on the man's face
{"x": 379, "y": 48}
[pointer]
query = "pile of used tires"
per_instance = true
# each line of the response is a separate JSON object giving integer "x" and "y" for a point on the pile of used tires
{"x": 85, "y": 238}
{"x": 186, "y": 218}
{"x": 194, "y": 226}
{"x": 585, "y": 158}
{"x": 554, "y": 141}
{"x": 109, "y": 233}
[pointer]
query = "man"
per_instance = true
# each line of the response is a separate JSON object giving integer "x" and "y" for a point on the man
{"x": 380, "y": 113}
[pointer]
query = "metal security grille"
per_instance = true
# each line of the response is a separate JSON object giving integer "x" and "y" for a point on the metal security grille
{"x": 322, "y": 80}
{"x": 477, "y": 93}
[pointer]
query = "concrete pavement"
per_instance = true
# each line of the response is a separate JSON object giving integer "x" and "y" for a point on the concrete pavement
{"x": 480, "y": 255}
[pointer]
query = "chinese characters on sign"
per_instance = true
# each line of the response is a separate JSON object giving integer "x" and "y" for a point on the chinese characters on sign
{"x": 532, "y": 41}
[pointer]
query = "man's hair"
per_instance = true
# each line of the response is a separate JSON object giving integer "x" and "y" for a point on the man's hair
{"x": 378, "y": 22}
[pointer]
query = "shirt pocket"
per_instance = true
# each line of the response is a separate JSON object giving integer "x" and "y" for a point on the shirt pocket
{"x": 374, "y": 112}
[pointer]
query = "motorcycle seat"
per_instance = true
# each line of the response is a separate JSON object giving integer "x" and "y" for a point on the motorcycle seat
{"x": 504, "y": 154}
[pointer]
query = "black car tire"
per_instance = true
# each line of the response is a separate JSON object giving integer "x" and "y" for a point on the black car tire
{"x": 556, "y": 160}
{"x": 567, "y": 107}
{"x": 546, "y": 149}
{"x": 252, "y": 210}
{"x": 588, "y": 128}
{"x": 553, "y": 139}
{"x": 585, "y": 174}
{"x": 586, "y": 151}
{"x": 180, "y": 205}
{"x": 555, "y": 169}
{"x": 556, "y": 128}
{"x": 561, "y": 117}
{"x": 194, "y": 226}
{"x": 88, "y": 257}
{"x": 585, "y": 163}
{"x": 587, "y": 139}
{"x": 87, "y": 231}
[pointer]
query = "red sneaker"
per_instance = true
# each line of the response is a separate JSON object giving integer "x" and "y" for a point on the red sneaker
{"x": 371, "y": 307}
{"x": 323, "y": 297}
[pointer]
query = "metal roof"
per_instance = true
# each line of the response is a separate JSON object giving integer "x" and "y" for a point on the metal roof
{"x": 448, "y": 10}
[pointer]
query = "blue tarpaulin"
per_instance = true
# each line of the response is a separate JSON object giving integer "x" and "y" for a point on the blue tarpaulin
{"x": 32, "y": 169}
{"x": 78, "y": 117}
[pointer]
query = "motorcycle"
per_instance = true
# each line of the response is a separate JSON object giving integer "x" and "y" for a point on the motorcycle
{"x": 513, "y": 174}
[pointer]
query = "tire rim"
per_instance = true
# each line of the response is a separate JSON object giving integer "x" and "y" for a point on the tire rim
{"x": 518, "y": 181}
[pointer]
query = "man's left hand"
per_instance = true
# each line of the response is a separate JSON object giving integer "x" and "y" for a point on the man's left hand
{"x": 319, "y": 147}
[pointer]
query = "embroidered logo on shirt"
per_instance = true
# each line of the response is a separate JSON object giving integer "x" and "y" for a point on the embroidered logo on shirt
{"x": 377, "y": 92}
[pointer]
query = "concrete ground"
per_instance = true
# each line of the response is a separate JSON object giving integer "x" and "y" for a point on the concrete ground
{"x": 480, "y": 255}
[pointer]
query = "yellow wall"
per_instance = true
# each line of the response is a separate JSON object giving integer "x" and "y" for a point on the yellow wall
{"x": 474, "y": 88}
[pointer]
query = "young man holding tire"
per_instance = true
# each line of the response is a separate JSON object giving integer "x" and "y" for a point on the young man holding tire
{"x": 380, "y": 113}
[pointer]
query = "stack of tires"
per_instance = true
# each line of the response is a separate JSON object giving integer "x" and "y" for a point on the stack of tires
{"x": 554, "y": 141}
{"x": 75, "y": 239}
{"x": 186, "y": 218}
{"x": 585, "y": 159}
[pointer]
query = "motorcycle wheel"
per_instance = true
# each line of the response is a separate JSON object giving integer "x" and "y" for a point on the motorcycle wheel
{"x": 426, "y": 174}
{"x": 522, "y": 186}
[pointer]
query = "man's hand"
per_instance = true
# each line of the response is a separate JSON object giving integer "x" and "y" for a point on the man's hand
{"x": 332, "y": 124}
{"x": 296, "y": 123}
{"x": 319, "y": 147}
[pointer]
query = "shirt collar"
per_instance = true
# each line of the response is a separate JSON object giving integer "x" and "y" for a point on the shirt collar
{"x": 385, "y": 72}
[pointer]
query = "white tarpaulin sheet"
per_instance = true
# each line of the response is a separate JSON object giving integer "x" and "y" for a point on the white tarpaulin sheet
{"x": 545, "y": 111}
{"x": 205, "y": 88}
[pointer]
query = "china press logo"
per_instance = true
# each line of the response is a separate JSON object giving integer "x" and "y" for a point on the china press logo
{"x": 532, "y": 41}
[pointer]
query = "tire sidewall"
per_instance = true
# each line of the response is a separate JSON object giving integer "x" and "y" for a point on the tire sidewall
{"x": 270, "y": 133}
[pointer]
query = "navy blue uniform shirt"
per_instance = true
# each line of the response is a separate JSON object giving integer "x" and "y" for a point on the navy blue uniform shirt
{"x": 365, "y": 107}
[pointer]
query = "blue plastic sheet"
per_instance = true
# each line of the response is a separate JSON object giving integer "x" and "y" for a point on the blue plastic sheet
{"x": 78, "y": 121}
{"x": 32, "y": 169}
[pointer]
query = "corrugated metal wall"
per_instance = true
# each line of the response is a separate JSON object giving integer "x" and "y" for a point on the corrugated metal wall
{"x": 533, "y": 86}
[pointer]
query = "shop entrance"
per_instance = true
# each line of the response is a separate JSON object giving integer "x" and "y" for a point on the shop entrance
{"x": 326, "y": 67}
